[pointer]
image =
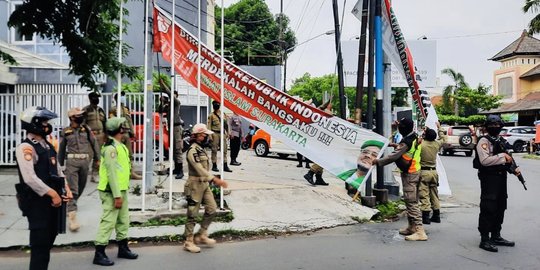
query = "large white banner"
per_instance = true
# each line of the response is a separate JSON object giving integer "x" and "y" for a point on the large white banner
{"x": 342, "y": 148}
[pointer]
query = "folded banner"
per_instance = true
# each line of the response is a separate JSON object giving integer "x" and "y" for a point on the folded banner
{"x": 331, "y": 142}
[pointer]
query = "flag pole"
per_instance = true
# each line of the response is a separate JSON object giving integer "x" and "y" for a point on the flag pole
{"x": 199, "y": 64}
{"x": 361, "y": 64}
{"x": 119, "y": 72}
{"x": 172, "y": 100}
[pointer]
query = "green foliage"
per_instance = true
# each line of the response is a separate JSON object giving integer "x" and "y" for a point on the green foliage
{"x": 251, "y": 29}
{"x": 473, "y": 100}
{"x": 389, "y": 210}
{"x": 533, "y": 6}
{"x": 470, "y": 120}
{"x": 7, "y": 59}
{"x": 87, "y": 29}
{"x": 399, "y": 98}
{"x": 182, "y": 220}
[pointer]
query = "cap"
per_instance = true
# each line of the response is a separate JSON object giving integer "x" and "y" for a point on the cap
{"x": 75, "y": 111}
{"x": 216, "y": 103}
{"x": 114, "y": 123}
{"x": 201, "y": 128}
{"x": 94, "y": 94}
{"x": 375, "y": 143}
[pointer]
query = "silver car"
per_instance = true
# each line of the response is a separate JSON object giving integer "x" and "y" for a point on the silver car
{"x": 518, "y": 137}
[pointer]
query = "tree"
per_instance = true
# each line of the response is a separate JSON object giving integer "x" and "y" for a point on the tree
{"x": 252, "y": 33}
{"x": 474, "y": 100}
{"x": 533, "y": 6}
{"x": 451, "y": 91}
{"x": 399, "y": 97}
{"x": 87, "y": 29}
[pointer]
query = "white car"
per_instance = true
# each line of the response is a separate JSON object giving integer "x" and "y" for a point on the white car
{"x": 519, "y": 136}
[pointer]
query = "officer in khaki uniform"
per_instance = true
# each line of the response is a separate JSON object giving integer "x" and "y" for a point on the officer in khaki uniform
{"x": 113, "y": 188}
{"x": 429, "y": 179}
{"x": 214, "y": 124}
{"x": 95, "y": 119}
{"x": 77, "y": 146}
{"x": 128, "y": 125}
{"x": 177, "y": 127}
{"x": 197, "y": 190}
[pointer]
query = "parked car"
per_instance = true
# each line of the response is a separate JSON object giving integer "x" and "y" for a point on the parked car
{"x": 518, "y": 137}
{"x": 137, "y": 143}
{"x": 459, "y": 139}
{"x": 263, "y": 143}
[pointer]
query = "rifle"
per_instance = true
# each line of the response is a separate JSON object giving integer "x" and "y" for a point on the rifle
{"x": 59, "y": 185}
{"x": 513, "y": 166}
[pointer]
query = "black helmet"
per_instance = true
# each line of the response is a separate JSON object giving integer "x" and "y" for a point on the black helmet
{"x": 493, "y": 119}
{"x": 32, "y": 120}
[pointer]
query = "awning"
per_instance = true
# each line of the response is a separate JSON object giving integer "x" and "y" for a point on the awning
{"x": 26, "y": 59}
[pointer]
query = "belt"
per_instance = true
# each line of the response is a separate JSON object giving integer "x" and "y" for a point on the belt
{"x": 216, "y": 130}
{"x": 78, "y": 156}
{"x": 428, "y": 168}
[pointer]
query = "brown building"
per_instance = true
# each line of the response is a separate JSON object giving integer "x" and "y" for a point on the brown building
{"x": 518, "y": 80}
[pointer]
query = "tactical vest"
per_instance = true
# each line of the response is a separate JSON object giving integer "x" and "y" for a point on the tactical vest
{"x": 46, "y": 165}
{"x": 409, "y": 162}
{"x": 123, "y": 168}
{"x": 498, "y": 147}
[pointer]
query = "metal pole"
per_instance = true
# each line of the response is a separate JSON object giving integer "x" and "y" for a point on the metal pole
{"x": 285, "y": 72}
{"x": 337, "y": 36}
{"x": 171, "y": 107}
{"x": 119, "y": 72}
{"x": 370, "y": 79}
{"x": 379, "y": 77}
{"x": 222, "y": 83}
{"x": 198, "y": 64}
{"x": 361, "y": 65}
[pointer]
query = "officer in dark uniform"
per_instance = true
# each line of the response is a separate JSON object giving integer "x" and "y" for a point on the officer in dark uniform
{"x": 36, "y": 160}
{"x": 492, "y": 163}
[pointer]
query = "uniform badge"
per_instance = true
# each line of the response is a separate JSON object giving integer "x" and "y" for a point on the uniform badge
{"x": 28, "y": 152}
{"x": 196, "y": 157}
{"x": 113, "y": 154}
{"x": 53, "y": 161}
{"x": 485, "y": 146}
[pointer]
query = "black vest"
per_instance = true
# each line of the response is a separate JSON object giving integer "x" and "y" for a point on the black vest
{"x": 498, "y": 147}
{"x": 46, "y": 165}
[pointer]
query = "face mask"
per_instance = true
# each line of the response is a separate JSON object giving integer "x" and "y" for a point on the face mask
{"x": 94, "y": 101}
{"x": 206, "y": 142}
{"x": 216, "y": 107}
{"x": 47, "y": 129}
{"x": 494, "y": 130}
{"x": 123, "y": 100}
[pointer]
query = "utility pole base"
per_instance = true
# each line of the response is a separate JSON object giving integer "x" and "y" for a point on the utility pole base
{"x": 381, "y": 195}
{"x": 393, "y": 189}
{"x": 369, "y": 201}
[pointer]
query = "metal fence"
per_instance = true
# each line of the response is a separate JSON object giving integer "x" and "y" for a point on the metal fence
{"x": 60, "y": 99}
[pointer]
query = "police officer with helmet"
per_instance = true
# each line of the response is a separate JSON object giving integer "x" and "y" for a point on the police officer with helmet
{"x": 492, "y": 162}
{"x": 40, "y": 175}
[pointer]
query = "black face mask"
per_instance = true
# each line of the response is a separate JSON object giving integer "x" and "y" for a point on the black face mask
{"x": 94, "y": 101}
{"x": 47, "y": 129}
{"x": 216, "y": 107}
{"x": 494, "y": 130}
{"x": 206, "y": 142}
{"x": 78, "y": 120}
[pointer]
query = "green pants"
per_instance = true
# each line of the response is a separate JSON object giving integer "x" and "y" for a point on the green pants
{"x": 216, "y": 146}
{"x": 112, "y": 219}
{"x": 198, "y": 192}
{"x": 427, "y": 190}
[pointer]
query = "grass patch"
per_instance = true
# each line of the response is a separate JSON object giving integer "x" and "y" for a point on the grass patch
{"x": 389, "y": 211}
{"x": 360, "y": 220}
{"x": 182, "y": 220}
{"x": 232, "y": 234}
{"x": 532, "y": 156}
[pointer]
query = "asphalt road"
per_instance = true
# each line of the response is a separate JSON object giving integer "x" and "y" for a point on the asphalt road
{"x": 453, "y": 244}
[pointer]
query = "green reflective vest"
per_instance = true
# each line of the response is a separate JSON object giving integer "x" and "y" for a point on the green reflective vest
{"x": 114, "y": 156}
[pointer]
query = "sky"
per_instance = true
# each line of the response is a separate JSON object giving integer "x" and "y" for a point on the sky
{"x": 468, "y": 32}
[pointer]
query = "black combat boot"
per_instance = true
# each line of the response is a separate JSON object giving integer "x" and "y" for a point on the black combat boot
{"x": 497, "y": 240}
{"x": 486, "y": 244}
{"x": 226, "y": 168}
{"x": 319, "y": 180}
{"x": 100, "y": 258}
{"x": 235, "y": 163}
{"x": 425, "y": 217}
{"x": 179, "y": 170}
{"x": 307, "y": 165}
{"x": 436, "y": 217}
{"x": 309, "y": 177}
{"x": 124, "y": 251}
{"x": 214, "y": 167}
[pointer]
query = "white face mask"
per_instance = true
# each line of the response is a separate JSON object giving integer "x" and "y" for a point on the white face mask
{"x": 123, "y": 100}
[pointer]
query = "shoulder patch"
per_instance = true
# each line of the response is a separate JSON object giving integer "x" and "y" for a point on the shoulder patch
{"x": 28, "y": 152}
{"x": 484, "y": 146}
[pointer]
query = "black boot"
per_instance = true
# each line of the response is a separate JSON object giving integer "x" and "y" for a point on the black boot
{"x": 100, "y": 258}
{"x": 125, "y": 252}
{"x": 486, "y": 244}
{"x": 214, "y": 167}
{"x": 436, "y": 217}
{"x": 309, "y": 177}
{"x": 425, "y": 217}
{"x": 226, "y": 168}
{"x": 307, "y": 165}
{"x": 319, "y": 180}
{"x": 497, "y": 240}
{"x": 179, "y": 171}
{"x": 235, "y": 163}
{"x": 299, "y": 164}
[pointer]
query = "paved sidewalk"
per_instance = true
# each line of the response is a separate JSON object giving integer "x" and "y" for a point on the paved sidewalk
{"x": 267, "y": 193}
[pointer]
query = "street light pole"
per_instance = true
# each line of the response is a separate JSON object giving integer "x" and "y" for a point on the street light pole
{"x": 339, "y": 61}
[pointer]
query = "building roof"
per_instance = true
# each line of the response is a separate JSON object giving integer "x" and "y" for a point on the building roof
{"x": 524, "y": 45}
{"x": 534, "y": 71}
{"x": 529, "y": 102}
{"x": 26, "y": 59}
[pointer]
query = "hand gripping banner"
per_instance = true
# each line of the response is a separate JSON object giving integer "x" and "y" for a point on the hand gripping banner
{"x": 341, "y": 147}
